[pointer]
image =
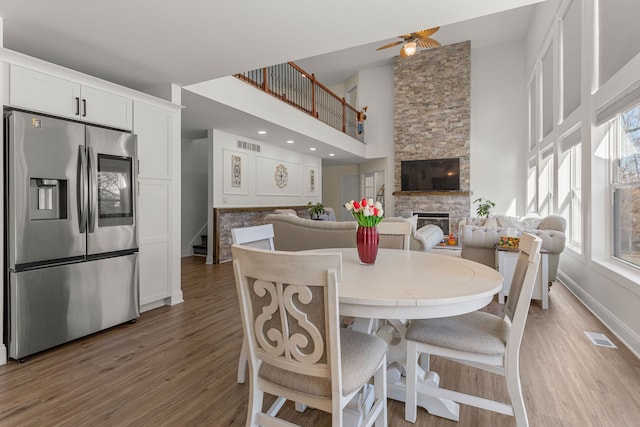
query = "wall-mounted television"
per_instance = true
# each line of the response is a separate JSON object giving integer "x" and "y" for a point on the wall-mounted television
{"x": 430, "y": 175}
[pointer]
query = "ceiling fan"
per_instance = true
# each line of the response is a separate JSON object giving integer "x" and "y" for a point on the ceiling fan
{"x": 411, "y": 41}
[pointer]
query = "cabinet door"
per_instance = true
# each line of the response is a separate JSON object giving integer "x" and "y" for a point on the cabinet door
{"x": 36, "y": 91}
{"x": 106, "y": 108}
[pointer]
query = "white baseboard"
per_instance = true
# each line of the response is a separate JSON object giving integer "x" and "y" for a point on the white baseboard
{"x": 628, "y": 337}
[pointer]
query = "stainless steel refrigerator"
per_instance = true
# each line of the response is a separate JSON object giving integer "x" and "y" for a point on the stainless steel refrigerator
{"x": 71, "y": 226}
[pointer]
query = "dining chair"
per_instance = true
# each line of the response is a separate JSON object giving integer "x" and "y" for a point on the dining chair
{"x": 394, "y": 234}
{"x": 259, "y": 236}
{"x": 479, "y": 339}
{"x": 297, "y": 351}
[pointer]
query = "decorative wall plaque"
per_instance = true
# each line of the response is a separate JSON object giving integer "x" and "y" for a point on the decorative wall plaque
{"x": 236, "y": 170}
{"x": 281, "y": 175}
{"x": 312, "y": 180}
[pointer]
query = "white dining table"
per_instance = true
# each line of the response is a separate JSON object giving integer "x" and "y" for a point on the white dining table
{"x": 405, "y": 285}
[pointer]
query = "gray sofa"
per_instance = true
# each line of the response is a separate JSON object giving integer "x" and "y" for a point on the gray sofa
{"x": 293, "y": 233}
{"x": 478, "y": 237}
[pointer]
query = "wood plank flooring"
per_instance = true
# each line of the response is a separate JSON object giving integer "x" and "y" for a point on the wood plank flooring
{"x": 177, "y": 367}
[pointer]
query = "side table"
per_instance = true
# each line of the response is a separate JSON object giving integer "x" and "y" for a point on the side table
{"x": 506, "y": 259}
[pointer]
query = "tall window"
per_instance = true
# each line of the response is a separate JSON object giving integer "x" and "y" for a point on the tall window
{"x": 570, "y": 188}
{"x": 626, "y": 188}
{"x": 545, "y": 183}
{"x": 532, "y": 191}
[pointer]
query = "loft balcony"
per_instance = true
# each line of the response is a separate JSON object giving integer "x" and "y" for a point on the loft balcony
{"x": 300, "y": 89}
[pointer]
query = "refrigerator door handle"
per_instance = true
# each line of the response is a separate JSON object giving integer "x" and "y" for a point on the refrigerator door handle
{"x": 82, "y": 189}
{"x": 92, "y": 189}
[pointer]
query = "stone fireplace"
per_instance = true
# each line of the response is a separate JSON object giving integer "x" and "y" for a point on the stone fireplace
{"x": 432, "y": 115}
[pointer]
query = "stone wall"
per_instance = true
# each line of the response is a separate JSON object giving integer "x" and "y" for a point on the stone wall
{"x": 432, "y": 116}
{"x": 224, "y": 219}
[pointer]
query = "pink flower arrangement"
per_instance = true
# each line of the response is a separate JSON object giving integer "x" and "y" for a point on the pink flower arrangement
{"x": 367, "y": 213}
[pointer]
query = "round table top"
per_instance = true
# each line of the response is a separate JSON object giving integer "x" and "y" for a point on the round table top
{"x": 413, "y": 285}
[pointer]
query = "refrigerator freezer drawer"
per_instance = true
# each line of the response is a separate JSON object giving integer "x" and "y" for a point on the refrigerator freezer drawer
{"x": 54, "y": 305}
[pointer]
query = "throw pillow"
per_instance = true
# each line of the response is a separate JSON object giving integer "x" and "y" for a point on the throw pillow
{"x": 530, "y": 223}
{"x": 507, "y": 221}
{"x": 490, "y": 222}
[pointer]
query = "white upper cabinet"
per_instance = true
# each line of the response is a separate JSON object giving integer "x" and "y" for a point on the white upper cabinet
{"x": 98, "y": 106}
{"x": 36, "y": 91}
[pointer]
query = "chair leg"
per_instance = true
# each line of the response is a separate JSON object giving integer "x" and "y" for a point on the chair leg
{"x": 380, "y": 393}
{"x": 410, "y": 401}
{"x": 254, "y": 405}
{"x": 514, "y": 389}
{"x": 242, "y": 364}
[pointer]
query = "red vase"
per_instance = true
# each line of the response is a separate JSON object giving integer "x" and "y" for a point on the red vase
{"x": 367, "y": 239}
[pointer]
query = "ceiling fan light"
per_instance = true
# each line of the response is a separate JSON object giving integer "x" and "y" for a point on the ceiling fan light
{"x": 409, "y": 48}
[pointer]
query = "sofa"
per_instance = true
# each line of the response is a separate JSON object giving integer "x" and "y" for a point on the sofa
{"x": 478, "y": 236}
{"x": 292, "y": 233}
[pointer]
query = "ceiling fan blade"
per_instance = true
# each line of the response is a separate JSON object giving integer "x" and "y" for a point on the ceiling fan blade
{"x": 428, "y": 43}
{"x": 390, "y": 45}
{"x": 424, "y": 34}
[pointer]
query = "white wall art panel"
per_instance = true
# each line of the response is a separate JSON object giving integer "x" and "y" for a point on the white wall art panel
{"x": 276, "y": 177}
{"x": 235, "y": 172}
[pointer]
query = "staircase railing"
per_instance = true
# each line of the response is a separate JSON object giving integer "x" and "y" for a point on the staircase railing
{"x": 296, "y": 87}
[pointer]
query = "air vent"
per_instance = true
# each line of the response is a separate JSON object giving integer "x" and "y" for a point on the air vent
{"x": 248, "y": 146}
{"x": 600, "y": 339}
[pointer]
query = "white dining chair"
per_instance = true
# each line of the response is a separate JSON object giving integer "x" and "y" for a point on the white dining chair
{"x": 394, "y": 234}
{"x": 297, "y": 351}
{"x": 479, "y": 339}
{"x": 258, "y": 236}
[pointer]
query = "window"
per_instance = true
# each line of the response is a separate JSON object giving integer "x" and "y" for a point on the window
{"x": 570, "y": 187}
{"x": 545, "y": 183}
{"x": 369, "y": 186}
{"x": 532, "y": 193}
{"x": 626, "y": 188}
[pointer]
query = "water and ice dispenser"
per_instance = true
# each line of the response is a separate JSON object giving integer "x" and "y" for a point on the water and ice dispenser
{"x": 47, "y": 198}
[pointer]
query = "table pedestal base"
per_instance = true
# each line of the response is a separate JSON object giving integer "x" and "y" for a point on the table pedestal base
{"x": 435, "y": 406}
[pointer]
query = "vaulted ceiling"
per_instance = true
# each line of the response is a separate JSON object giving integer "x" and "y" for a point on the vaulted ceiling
{"x": 150, "y": 44}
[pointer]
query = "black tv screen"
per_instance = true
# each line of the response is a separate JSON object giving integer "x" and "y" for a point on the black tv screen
{"x": 430, "y": 175}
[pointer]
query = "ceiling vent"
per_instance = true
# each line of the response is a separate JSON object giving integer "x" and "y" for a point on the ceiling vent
{"x": 248, "y": 146}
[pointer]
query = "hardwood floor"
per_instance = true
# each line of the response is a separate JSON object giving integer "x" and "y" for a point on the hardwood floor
{"x": 177, "y": 367}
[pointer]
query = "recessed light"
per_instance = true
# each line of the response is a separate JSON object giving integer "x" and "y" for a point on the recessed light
{"x": 290, "y": 141}
{"x": 331, "y": 155}
{"x": 312, "y": 148}
{"x": 262, "y": 132}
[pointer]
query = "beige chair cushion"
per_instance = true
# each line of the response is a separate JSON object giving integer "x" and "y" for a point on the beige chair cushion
{"x": 361, "y": 353}
{"x": 477, "y": 332}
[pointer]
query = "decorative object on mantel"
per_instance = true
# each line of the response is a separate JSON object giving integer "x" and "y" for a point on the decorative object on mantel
{"x": 316, "y": 211}
{"x": 368, "y": 215}
{"x": 484, "y": 207}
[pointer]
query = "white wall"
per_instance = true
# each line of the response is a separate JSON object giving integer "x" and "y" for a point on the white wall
{"x": 257, "y": 185}
{"x": 332, "y": 185}
{"x": 194, "y": 191}
{"x": 499, "y": 126}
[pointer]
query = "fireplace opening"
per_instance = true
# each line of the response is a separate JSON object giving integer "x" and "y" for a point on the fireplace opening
{"x": 437, "y": 218}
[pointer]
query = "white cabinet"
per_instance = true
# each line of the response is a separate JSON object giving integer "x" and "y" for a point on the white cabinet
{"x": 108, "y": 109}
{"x": 506, "y": 260}
{"x": 155, "y": 127}
{"x": 37, "y": 91}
